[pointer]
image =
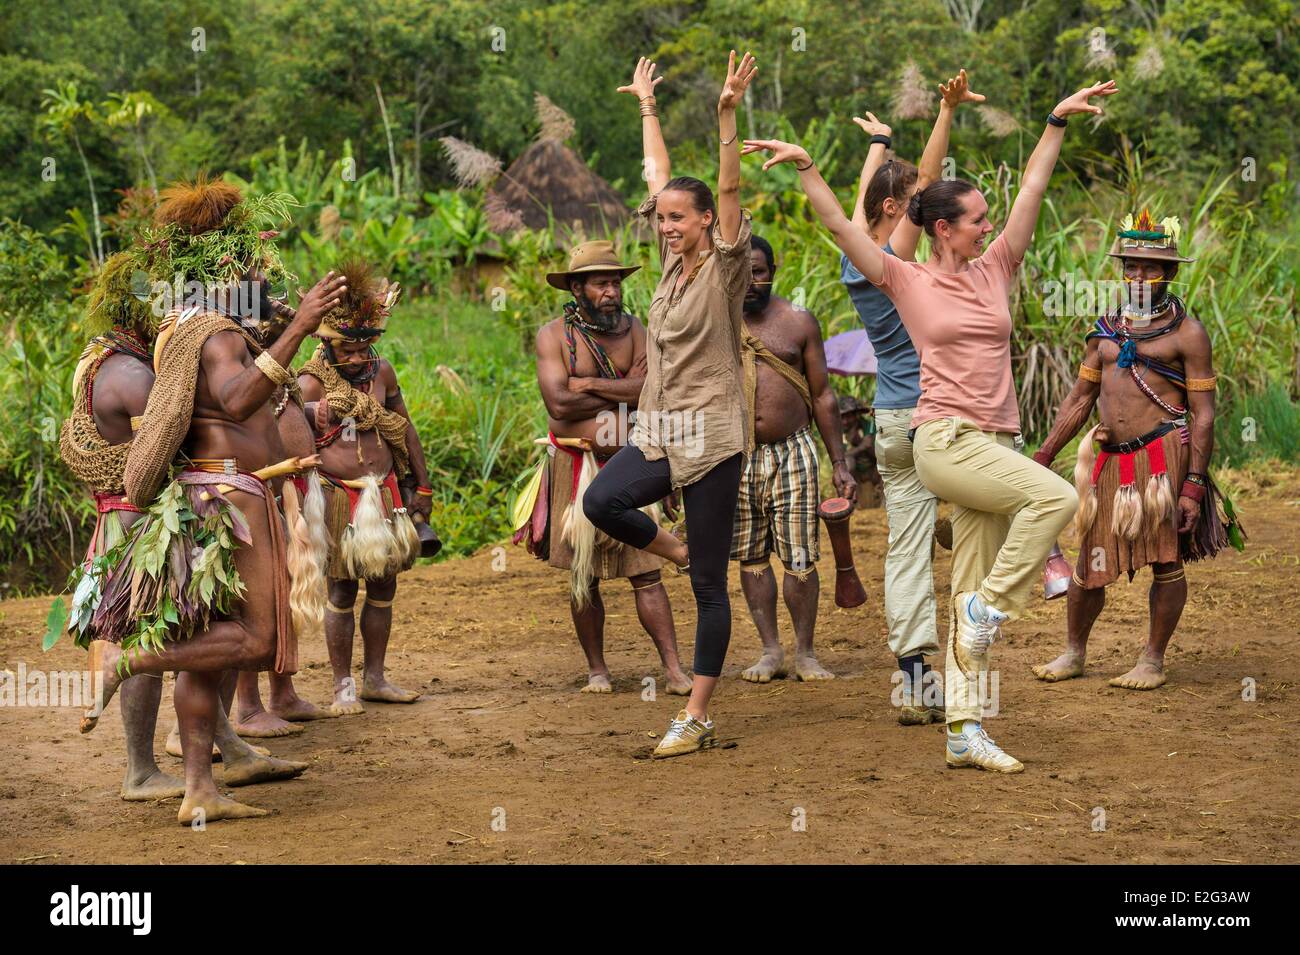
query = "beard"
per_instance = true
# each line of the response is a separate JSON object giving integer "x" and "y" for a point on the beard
{"x": 606, "y": 320}
{"x": 250, "y": 305}
{"x": 757, "y": 297}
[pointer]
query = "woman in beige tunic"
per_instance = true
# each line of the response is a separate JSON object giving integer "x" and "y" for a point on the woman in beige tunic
{"x": 690, "y": 432}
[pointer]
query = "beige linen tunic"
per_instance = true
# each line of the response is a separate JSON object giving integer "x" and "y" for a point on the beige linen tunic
{"x": 692, "y": 405}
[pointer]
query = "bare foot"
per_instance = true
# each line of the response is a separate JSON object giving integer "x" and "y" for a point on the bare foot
{"x": 157, "y": 785}
{"x": 104, "y": 681}
{"x": 211, "y": 808}
{"x": 598, "y": 683}
{"x": 770, "y": 666}
{"x": 264, "y": 725}
{"x": 1147, "y": 675}
{"x": 345, "y": 699}
{"x": 807, "y": 668}
{"x": 173, "y": 747}
{"x": 384, "y": 692}
{"x": 1065, "y": 667}
{"x": 679, "y": 684}
{"x": 260, "y": 769}
{"x": 298, "y": 710}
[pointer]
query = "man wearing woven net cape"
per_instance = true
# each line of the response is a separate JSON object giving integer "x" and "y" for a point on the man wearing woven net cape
{"x": 210, "y": 590}
{"x": 110, "y": 391}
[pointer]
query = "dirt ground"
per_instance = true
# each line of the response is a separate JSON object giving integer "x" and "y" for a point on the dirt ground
{"x": 1187, "y": 773}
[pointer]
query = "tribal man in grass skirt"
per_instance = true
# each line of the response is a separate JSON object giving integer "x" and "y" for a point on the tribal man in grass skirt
{"x": 375, "y": 479}
{"x": 202, "y": 584}
{"x": 1147, "y": 497}
{"x": 590, "y": 371}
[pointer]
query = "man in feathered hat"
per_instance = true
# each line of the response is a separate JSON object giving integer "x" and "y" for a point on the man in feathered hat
{"x": 590, "y": 369}
{"x": 1147, "y": 497}
{"x": 202, "y": 584}
{"x": 376, "y": 483}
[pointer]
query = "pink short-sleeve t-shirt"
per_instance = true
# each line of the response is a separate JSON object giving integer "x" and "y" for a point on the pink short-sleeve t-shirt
{"x": 960, "y": 323}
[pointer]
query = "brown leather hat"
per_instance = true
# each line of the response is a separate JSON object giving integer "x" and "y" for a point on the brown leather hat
{"x": 596, "y": 256}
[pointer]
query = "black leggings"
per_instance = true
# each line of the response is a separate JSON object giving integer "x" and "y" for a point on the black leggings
{"x": 628, "y": 482}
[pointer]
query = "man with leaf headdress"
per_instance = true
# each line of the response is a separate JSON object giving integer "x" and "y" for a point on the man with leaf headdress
{"x": 111, "y": 388}
{"x": 376, "y": 482}
{"x": 201, "y": 585}
{"x": 1145, "y": 497}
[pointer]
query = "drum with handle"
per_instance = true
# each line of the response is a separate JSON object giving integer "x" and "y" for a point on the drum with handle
{"x": 849, "y": 591}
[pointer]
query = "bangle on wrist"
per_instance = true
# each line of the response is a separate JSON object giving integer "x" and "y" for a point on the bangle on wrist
{"x": 1192, "y": 490}
{"x": 882, "y": 139}
{"x": 1054, "y": 120}
{"x": 805, "y": 168}
{"x": 728, "y": 142}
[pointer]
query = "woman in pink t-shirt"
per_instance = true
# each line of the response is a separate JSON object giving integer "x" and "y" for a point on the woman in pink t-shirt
{"x": 1007, "y": 509}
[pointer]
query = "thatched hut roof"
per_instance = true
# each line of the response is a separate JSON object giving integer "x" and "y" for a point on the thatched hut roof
{"x": 551, "y": 176}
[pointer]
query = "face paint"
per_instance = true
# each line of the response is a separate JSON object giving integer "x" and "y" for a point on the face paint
{"x": 1142, "y": 299}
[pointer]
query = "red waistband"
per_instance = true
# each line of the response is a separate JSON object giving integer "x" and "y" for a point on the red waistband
{"x": 106, "y": 503}
{"x": 576, "y": 454}
{"x": 354, "y": 494}
{"x": 1155, "y": 452}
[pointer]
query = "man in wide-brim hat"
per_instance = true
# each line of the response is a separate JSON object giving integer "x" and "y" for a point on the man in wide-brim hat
{"x": 590, "y": 369}
{"x": 1145, "y": 495}
{"x": 590, "y": 258}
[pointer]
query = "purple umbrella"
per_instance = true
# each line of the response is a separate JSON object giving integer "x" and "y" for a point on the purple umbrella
{"x": 850, "y": 353}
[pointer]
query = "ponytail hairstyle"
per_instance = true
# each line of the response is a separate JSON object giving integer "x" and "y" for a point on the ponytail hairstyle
{"x": 699, "y": 191}
{"x": 941, "y": 199}
{"x": 893, "y": 180}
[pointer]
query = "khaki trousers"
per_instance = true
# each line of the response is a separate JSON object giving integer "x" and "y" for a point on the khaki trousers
{"x": 910, "y": 509}
{"x": 1008, "y": 511}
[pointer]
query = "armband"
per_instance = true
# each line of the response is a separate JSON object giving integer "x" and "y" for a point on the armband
{"x": 272, "y": 369}
{"x": 1087, "y": 373}
{"x": 1202, "y": 384}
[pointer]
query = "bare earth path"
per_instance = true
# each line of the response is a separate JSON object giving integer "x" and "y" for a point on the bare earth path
{"x": 1187, "y": 773}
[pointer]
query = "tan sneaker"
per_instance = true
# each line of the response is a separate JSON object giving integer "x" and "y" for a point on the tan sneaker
{"x": 685, "y": 735}
{"x": 975, "y": 749}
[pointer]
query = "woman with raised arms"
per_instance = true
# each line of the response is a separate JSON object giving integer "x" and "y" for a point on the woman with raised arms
{"x": 1008, "y": 510}
{"x": 691, "y": 428}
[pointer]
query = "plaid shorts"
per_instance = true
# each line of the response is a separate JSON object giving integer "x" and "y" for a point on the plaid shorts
{"x": 777, "y": 509}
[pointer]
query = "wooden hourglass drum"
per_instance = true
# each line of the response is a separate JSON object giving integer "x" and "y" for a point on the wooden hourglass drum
{"x": 835, "y": 512}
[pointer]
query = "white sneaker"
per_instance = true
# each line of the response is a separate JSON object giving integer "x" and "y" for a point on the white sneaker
{"x": 974, "y": 748}
{"x": 978, "y": 626}
{"x": 686, "y": 734}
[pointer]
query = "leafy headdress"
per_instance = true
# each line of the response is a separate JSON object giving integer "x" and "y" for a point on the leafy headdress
{"x": 204, "y": 231}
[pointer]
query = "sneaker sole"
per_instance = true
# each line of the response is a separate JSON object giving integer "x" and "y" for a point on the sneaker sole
{"x": 1020, "y": 767}
{"x": 706, "y": 744}
{"x": 967, "y": 662}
